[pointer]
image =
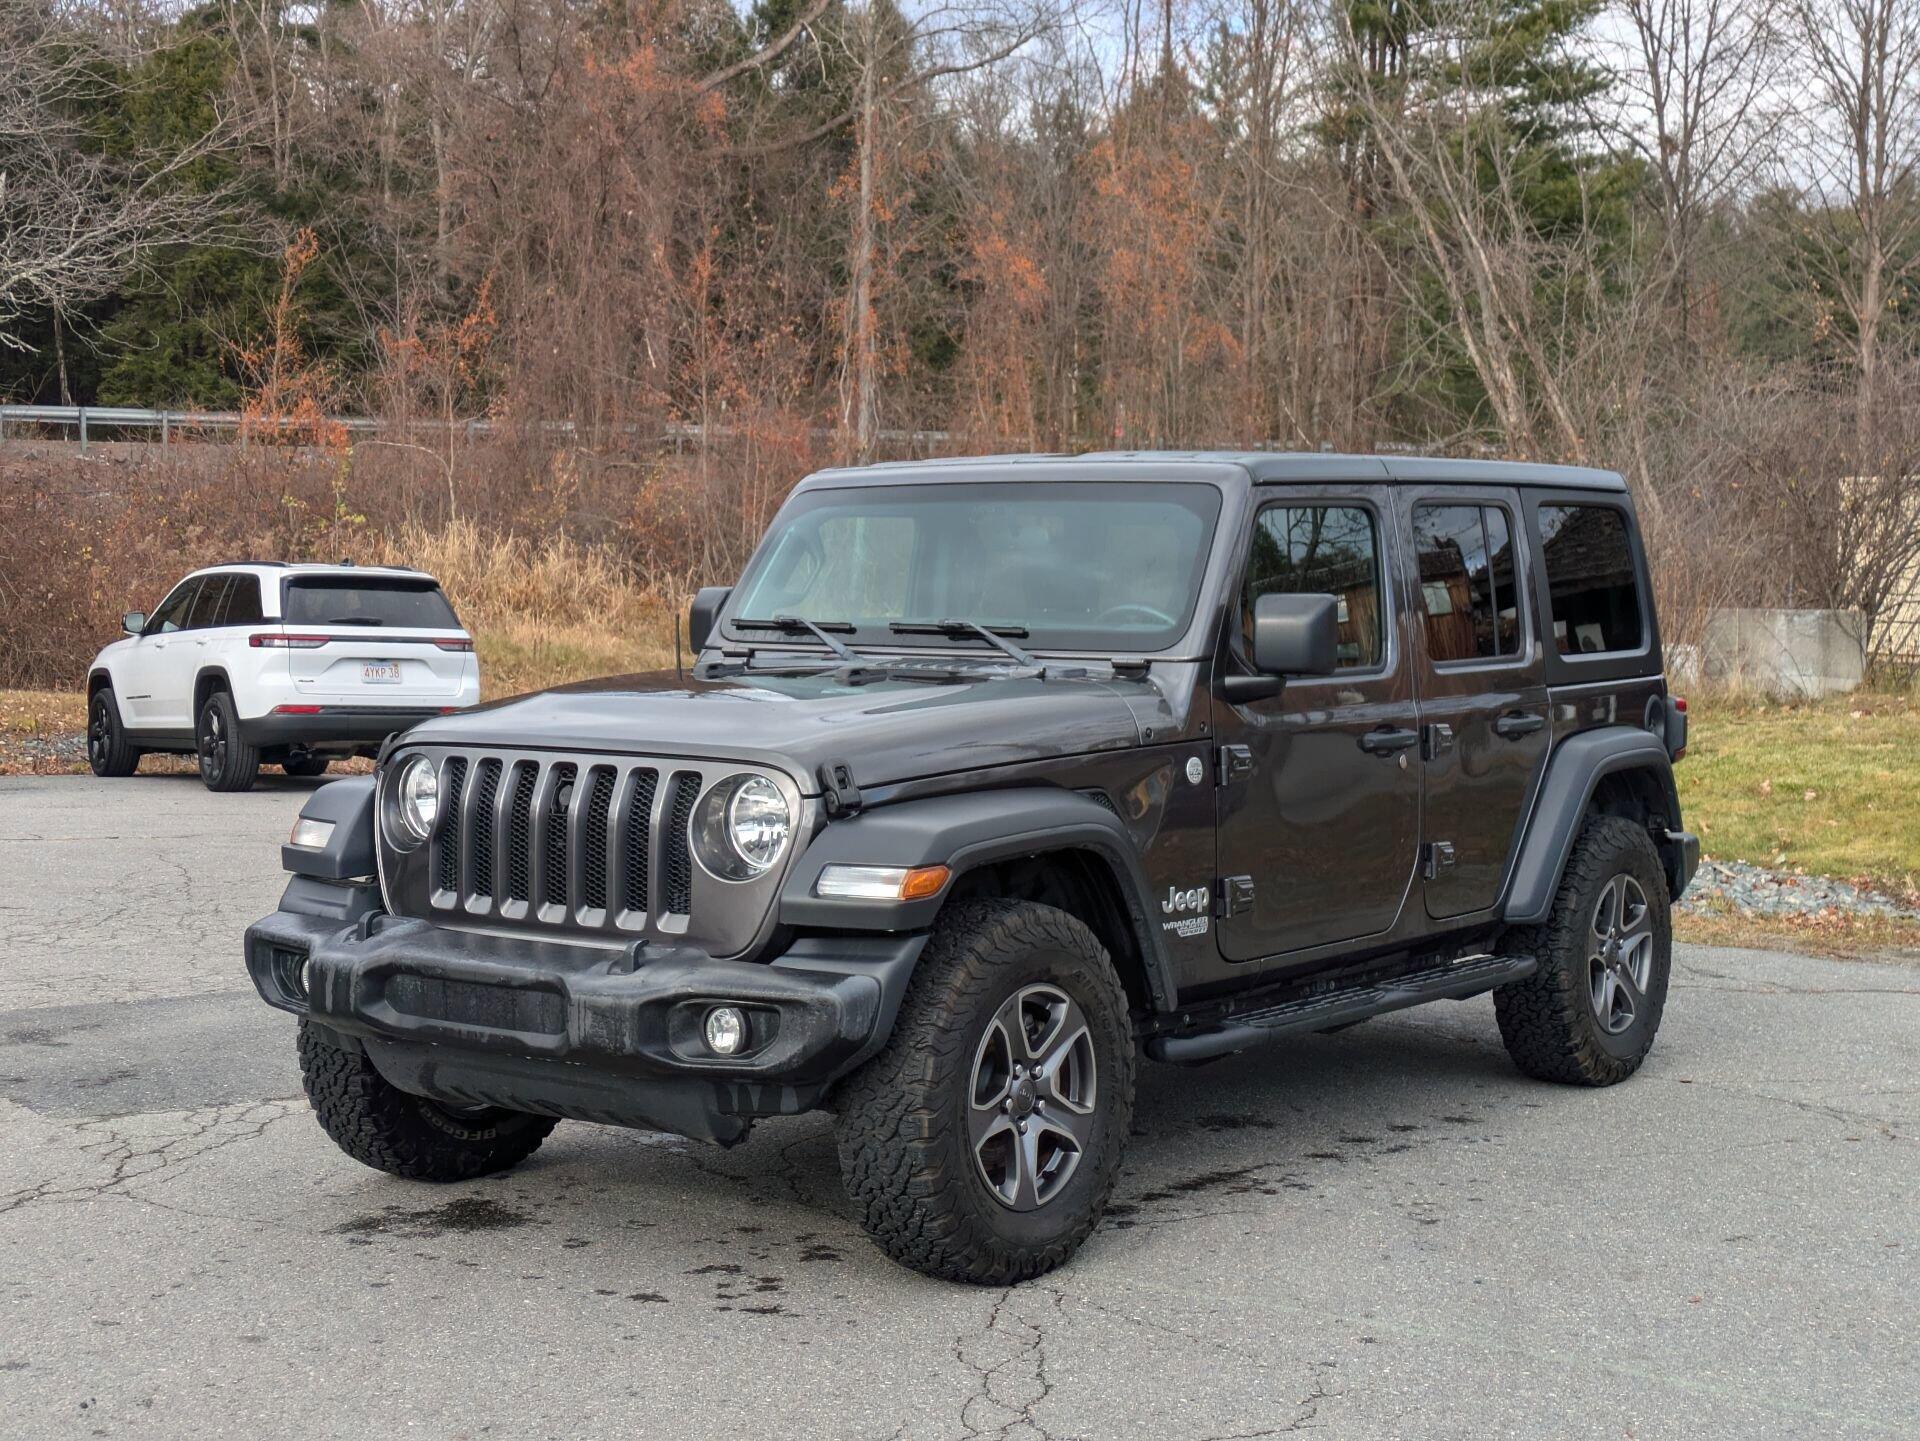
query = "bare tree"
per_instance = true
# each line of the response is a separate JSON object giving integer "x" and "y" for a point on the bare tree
{"x": 1864, "y": 150}
{"x": 74, "y": 221}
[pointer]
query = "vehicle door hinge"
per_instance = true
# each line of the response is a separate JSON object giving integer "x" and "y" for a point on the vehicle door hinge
{"x": 1439, "y": 858}
{"x": 1439, "y": 740}
{"x": 1236, "y": 895}
{"x": 1236, "y": 763}
{"x": 837, "y": 788}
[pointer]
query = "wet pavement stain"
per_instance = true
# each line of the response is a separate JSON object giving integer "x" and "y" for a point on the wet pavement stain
{"x": 1236, "y": 1123}
{"x": 468, "y": 1214}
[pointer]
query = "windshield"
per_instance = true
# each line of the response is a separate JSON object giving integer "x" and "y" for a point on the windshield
{"x": 1070, "y": 565}
{"x": 370, "y": 601}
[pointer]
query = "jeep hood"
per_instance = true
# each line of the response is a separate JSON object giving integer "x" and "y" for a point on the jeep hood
{"x": 886, "y": 730}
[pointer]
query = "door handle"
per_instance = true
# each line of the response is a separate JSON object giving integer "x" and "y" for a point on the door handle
{"x": 1386, "y": 741}
{"x": 1512, "y": 727}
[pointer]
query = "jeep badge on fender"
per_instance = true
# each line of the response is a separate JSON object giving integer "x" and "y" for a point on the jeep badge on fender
{"x": 909, "y": 837}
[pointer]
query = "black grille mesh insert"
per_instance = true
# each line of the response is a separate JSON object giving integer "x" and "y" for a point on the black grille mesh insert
{"x": 449, "y": 842}
{"x": 593, "y": 878}
{"x": 639, "y": 840}
{"x": 678, "y": 878}
{"x": 520, "y": 834}
{"x": 488, "y": 782}
{"x": 559, "y": 808}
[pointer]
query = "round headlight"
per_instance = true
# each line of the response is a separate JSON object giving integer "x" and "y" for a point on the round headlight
{"x": 758, "y": 823}
{"x": 741, "y": 827}
{"x": 419, "y": 793}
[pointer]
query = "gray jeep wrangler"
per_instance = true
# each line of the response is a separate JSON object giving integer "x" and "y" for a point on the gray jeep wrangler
{"x": 988, "y": 778}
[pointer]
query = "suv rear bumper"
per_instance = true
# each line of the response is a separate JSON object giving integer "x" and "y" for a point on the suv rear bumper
{"x": 592, "y": 1033}
{"x": 360, "y": 726}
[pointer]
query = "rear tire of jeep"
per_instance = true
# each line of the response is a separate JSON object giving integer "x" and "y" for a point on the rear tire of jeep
{"x": 227, "y": 761}
{"x": 982, "y": 1142}
{"x": 1588, "y": 1016}
{"x": 391, "y": 1130}
{"x": 109, "y": 752}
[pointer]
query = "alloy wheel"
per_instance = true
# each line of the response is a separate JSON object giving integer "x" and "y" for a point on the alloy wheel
{"x": 1619, "y": 954}
{"x": 1030, "y": 1112}
{"x": 97, "y": 735}
{"x": 213, "y": 743}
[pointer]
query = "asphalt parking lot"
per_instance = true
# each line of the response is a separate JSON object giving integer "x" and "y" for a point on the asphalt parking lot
{"x": 1382, "y": 1233}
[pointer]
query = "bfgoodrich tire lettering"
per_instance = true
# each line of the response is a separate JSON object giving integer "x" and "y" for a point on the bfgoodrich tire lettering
{"x": 384, "y": 1127}
{"x": 907, "y": 1153}
{"x": 1552, "y": 1022}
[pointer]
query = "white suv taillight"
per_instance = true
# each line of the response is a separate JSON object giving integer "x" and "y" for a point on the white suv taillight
{"x": 267, "y": 640}
{"x": 459, "y": 643}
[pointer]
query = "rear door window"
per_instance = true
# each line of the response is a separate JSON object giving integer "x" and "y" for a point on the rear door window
{"x": 206, "y": 605}
{"x": 1467, "y": 582}
{"x": 243, "y": 602}
{"x": 1591, "y": 584}
{"x": 369, "y": 601}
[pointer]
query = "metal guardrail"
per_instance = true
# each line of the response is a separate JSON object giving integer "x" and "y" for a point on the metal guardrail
{"x": 83, "y": 419}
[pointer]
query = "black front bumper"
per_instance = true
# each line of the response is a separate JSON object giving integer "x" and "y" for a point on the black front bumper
{"x": 357, "y": 727}
{"x": 595, "y": 1034}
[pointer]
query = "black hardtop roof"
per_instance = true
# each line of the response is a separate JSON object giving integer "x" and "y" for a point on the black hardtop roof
{"x": 1262, "y": 467}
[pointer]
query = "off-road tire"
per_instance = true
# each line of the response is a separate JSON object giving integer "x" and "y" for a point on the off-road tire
{"x": 902, "y": 1120}
{"x": 227, "y": 761}
{"x": 384, "y": 1127}
{"x": 1548, "y": 1020}
{"x": 109, "y": 751}
{"x": 305, "y": 767}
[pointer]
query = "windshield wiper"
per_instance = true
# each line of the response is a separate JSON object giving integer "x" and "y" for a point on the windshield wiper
{"x": 819, "y": 630}
{"x": 959, "y": 629}
{"x": 351, "y": 620}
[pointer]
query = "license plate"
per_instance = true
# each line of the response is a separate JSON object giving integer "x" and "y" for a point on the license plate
{"x": 380, "y": 672}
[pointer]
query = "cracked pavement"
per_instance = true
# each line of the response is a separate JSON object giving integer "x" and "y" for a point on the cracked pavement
{"x": 1380, "y": 1233}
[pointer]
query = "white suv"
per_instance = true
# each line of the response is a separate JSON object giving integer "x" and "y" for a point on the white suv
{"x": 289, "y": 664}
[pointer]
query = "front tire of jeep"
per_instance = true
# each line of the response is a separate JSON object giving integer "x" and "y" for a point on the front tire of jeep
{"x": 982, "y": 1142}
{"x": 227, "y": 761}
{"x": 1588, "y": 1016}
{"x": 392, "y": 1130}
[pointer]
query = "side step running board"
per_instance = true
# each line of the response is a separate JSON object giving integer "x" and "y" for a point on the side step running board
{"x": 1330, "y": 1010}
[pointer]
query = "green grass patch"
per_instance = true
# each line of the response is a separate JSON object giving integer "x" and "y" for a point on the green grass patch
{"x": 1828, "y": 787}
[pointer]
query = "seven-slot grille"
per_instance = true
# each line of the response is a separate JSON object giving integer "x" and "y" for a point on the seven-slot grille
{"x": 585, "y": 843}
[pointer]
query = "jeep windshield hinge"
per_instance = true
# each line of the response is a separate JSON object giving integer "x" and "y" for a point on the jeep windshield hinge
{"x": 837, "y": 788}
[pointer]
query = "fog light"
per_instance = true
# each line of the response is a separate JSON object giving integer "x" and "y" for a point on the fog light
{"x": 726, "y": 1030}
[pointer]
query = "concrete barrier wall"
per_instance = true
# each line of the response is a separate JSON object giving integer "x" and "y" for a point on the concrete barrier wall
{"x": 1785, "y": 652}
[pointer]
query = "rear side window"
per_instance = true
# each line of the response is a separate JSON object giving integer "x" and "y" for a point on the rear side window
{"x": 369, "y": 601}
{"x": 1466, "y": 582}
{"x": 206, "y": 605}
{"x": 1590, "y": 579}
{"x": 1321, "y": 549}
{"x": 243, "y": 602}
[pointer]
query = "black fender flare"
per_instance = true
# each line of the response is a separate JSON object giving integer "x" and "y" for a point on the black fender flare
{"x": 1574, "y": 771}
{"x": 963, "y": 832}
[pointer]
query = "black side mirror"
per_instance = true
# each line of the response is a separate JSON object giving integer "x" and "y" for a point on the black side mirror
{"x": 705, "y": 610}
{"x": 1296, "y": 634}
{"x": 133, "y": 622}
{"x": 1292, "y": 635}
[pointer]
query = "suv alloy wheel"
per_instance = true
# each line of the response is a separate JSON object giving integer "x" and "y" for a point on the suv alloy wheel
{"x": 982, "y": 1141}
{"x": 1588, "y": 1016}
{"x": 227, "y": 761}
